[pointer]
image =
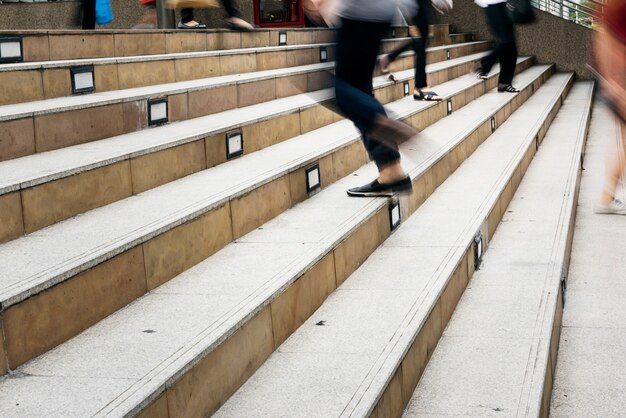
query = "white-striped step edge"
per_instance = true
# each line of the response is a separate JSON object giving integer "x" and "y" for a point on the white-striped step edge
{"x": 238, "y": 281}
{"x": 24, "y": 172}
{"x": 494, "y": 354}
{"x": 35, "y": 262}
{"x": 343, "y": 368}
{"x": 62, "y": 104}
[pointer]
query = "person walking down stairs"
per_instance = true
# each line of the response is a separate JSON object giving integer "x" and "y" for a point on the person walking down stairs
{"x": 364, "y": 23}
{"x": 235, "y": 22}
{"x": 421, "y": 21}
{"x": 609, "y": 44}
{"x": 505, "y": 50}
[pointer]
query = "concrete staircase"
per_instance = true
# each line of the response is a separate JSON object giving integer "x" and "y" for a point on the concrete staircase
{"x": 178, "y": 242}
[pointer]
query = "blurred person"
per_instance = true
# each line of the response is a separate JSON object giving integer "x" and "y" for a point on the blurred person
{"x": 234, "y": 20}
{"x": 363, "y": 24}
{"x": 421, "y": 21}
{"x": 609, "y": 46}
{"x": 505, "y": 51}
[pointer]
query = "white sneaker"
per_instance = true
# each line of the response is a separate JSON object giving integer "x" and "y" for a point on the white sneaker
{"x": 615, "y": 207}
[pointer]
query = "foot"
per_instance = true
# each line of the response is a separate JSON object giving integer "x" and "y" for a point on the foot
{"x": 614, "y": 207}
{"x": 507, "y": 88}
{"x": 383, "y": 64}
{"x": 479, "y": 72}
{"x": 239, "y": 24}
{"x": 429, "y": 96}
{"x": 191, "y": 25}
{"x": 375, "y": 188}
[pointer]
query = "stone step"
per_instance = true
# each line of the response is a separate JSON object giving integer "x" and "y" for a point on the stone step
{"x": 50, "y": 124}
{"x": 159, "y": 233}
{"x": 33, "y": 46}
{"x": 498, "y": 353}
{"x": 361, "y": 353}
{"x": 153, "y": 157}
{"x": 190, "y": 343}
{"x": 590, "y": 378}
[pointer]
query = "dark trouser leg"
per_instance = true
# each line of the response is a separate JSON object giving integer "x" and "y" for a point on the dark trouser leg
{"x": 89, "y": 14}
{"x": 357, "y": 48}
{"x": 506, "y": 49}
{"x": 231, "y": 8}
{"x": 419, "y": 44}
{"x": 186, "y": 15}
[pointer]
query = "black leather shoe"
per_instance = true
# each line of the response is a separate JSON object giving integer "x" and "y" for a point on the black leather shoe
{"x": 182, "y": 25}
{"x": 378, "y": 189}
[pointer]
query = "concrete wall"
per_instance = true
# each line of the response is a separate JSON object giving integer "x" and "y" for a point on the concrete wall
{"x": 65, "y": 15}
{"x": 551, "y": 39}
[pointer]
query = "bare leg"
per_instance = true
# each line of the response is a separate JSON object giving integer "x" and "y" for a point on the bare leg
{"x": 615, "y": 167}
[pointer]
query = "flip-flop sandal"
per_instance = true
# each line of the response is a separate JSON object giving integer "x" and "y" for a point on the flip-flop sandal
{"x": 428, "y": 96}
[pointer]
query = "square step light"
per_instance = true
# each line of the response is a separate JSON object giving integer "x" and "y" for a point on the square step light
{"x": 406, "y": 88}
{"x": 313, "y": 181}
{"x": 234, "y": 144}
{"x": 157, "y": 111}
{"x": 323, "y": 54}
{"x": 83, "y": 80}
{"x": 10, "y": 49}
{"x": 493, "y": 124}
{"x": 394, "y": 214}
{"x": 478, "y": 249}
{"x": 448, "y": 54}
{"x": 282, "y": 38}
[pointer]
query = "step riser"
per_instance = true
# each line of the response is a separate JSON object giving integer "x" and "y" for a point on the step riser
{"x": 400, "y": 389}
{"x": 207, "y": 369}
{"x": 64, "y": 46}
{"x": 46, "y": 132}
{"x": 27, "y": 324}
{"x": 54, "y": 201}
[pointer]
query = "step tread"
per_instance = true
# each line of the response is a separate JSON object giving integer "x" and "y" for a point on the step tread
{"x": 501, "y": 328}
{"x": 338, "y": 369}
{"x": 589, "y": 377}
{"x": 42, "y": 107}
{"x": 38, "y": 168}
{"x": 316, "y": 225}
{"x": 107, "y": 231}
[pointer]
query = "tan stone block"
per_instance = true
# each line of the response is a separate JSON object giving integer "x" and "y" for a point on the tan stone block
{"x": 20, "y": 86}
{"x": 36, "y": 48}
{"x": 441, "y": 171}
{"x": 326, "y": 171}
{"x": 17, "y": 138}
{"x": 271, "y": 60}
{"x": 422, "y": 189}
{"x": 154, "y": 169}
{"x": 290, "y": 86}
{"x": 256, "y": 92}
{"x": 203, "y": 389}
{"x": 210, "y": 101}
{"x": 127, "y": 45}
{"x": 177, "y": 107}
{"x": 279, "y": 129}
{"x": 323, "y": 281}
{"x": 146, "y": 73}
{"x": 315, "y": 118}
{"x": 319, "y": 80}
{"x": 186, "y": 245}
{"x": 196, "y": 68}
{"x": 305, "y": 56}
{"x": 135, "y": 115}
{"x": 390, "y": 404}
{"x": 452, "y": 293}
{"x": 256, "y": 39}
{"x": 105, "y": 77}
{"x": 95, "y": 45}
{"x": 61, "y": 199}
{"x": 51, "y": 317}
{"x": 59, "y": 130}
{"x": 297, "y": 186}
{"x": 348, "y": 159}
{"x": 230, "y": 40}
{"x": 157, "y": 409}
{"x": 413, "y": 366}
{"x": 237, "y": 63}
{"x": 355, "y": 249}
{"x": 290, "y": 309}
{"x": 3, "y": 357}
{"x": 260, "y": 205}
{"x": 57, "y": 82}
{"x": 185, "y": 41}
{"x": 216, "y": 149}
{"x": 12, "y": 225}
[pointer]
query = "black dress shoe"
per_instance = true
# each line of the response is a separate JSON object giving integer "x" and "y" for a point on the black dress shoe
{"x": 379, "y": 189}
{"x": 182, "y": 25}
